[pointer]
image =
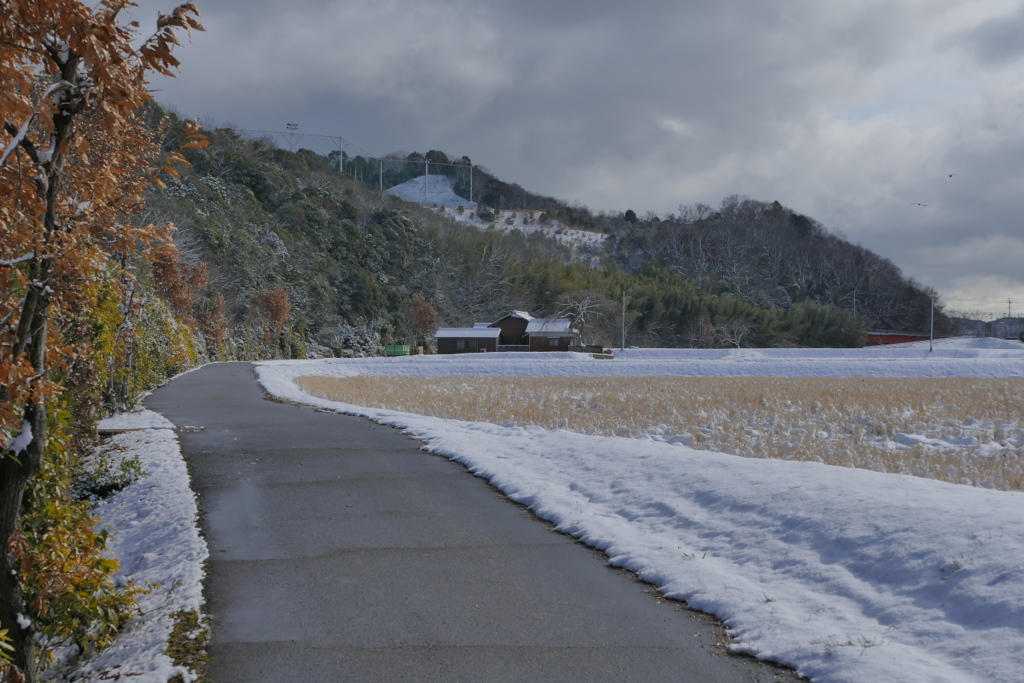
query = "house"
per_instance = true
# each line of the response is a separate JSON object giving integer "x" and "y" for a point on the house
{"x": 513, "y": 331}
{"x": 551, "y": 334}
{"x": 517, "y": 331}
{"x": 467, "y": 339}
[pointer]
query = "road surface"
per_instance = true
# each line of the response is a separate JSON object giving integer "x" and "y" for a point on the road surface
{"x": 339, "y": 551}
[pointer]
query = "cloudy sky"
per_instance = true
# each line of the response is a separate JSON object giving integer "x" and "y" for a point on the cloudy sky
{"x": 854, "y": 112}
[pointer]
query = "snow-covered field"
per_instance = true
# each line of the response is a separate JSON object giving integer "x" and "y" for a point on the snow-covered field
{"x": 155, "y": 537}
{"x": 848, "y": 575}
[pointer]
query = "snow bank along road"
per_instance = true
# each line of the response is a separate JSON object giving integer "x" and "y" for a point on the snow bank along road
{"x": 154, "y": 535}
{"x": 339, "y": 550}
{"x": 848, "y": 575}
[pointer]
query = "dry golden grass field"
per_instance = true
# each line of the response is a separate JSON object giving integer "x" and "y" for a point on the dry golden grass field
{"x": 966, "y": 431}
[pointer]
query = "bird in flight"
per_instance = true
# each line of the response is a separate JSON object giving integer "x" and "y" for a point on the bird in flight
{"x": 918, "y": 204}
{"x": 950, "y": 175}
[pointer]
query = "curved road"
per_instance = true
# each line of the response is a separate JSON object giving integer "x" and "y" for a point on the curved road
{"x": 339, "y": 551}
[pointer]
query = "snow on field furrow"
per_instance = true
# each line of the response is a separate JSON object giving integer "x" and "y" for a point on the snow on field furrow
{"x": 869, "y": 362}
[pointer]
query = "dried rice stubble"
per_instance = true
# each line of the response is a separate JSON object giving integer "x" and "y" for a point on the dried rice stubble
{"x": 847, "y": 422}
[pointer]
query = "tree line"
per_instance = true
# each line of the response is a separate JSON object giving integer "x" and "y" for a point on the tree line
{"x": 82, "y": 329}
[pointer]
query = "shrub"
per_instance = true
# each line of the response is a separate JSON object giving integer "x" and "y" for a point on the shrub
{"x": 101, "y": 478}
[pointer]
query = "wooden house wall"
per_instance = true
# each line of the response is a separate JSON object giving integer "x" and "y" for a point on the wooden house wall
{"x": 544, "y": 343}
{"x": 475, "y": 345}
{"x": 513, "y": 330}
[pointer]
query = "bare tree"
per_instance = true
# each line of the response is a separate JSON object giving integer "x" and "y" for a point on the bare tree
{"x": 732, "y": 332}
{"x": 590, "y": 310}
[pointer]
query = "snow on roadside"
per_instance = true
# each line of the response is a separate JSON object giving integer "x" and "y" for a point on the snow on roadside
{"x": 156, "y": 538}
{"x": 848, "y": 575}
{"x": 143, "y": 419}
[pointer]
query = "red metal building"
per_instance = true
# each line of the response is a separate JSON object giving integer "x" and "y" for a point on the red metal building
{"x": 877, "y": 338}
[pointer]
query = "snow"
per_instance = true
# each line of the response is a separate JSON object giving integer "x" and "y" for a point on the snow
{"x": 474, "y": 332}
{"x": 848, "y": 575}
{"x": 13, "y": 262}
{"x": 433, "y": 190}
{"x": 156, "y": 538}
{"x": 141, "y": 419}
{"x": 957, "y": 359}
{"x": 21, "y": 441}
{"x": 527, "y": 223}
{"x": 16, "y": 140}
{"x": 543, "y": 326}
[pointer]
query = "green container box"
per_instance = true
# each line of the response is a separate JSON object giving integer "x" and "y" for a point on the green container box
{"x": 398, "y": 349}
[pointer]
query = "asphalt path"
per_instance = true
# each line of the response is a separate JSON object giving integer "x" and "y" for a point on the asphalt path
{"x": 340, "y": 551}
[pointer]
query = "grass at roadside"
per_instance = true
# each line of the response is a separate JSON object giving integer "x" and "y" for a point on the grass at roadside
{"x": 967, "y": 431}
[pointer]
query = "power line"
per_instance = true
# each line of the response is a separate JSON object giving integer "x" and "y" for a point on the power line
{"x": 975, "y": 300}
{"x": 294, "y": 137}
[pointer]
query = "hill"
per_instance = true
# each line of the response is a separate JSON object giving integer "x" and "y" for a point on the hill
{"x": 352, "y": 269}
{"x": 760, "y": 252}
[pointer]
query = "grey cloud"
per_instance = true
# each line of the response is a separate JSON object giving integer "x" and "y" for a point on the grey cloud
{"x": 998, "y": 40}
{"x": 839, "y": 110}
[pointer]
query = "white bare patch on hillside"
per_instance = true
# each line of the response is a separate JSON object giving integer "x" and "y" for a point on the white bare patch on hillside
{"x": 528, "y": 222}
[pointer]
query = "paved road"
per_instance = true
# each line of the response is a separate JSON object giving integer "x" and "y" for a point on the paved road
{"x": 341, "y": 552}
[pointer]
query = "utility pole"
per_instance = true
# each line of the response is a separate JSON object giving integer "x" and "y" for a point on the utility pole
{"x": 381, "y": 175}
{"x": 931, "y": 333}
{"x": 623, "y": 319}
{"x": 1009, "y": 301}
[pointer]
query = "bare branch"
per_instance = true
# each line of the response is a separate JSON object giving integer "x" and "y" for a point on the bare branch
{"x": 19, "y": 140}
{"x": 21, "y": 259}
{"x": 6, "y": 318}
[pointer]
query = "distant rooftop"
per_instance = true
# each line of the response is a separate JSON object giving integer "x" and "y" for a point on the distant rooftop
{"x": 468, "y": 333}
{"x": 522, "y": 315}
{"x": 549, "y": 326}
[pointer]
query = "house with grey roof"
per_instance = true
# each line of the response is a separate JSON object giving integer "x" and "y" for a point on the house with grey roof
{"x": 467, "y": 339}
{"x": 551, "y": 334}
{"x": 517, "y": 331}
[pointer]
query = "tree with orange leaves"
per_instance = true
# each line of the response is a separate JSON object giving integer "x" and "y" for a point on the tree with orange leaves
{"x": 272, "y": 307}
{"x": 421, "y": 318}
{"x": 74, "y": 159}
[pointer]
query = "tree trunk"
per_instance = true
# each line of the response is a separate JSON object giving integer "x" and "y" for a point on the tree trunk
{"x": 17, "y": 468}
{"x": 14, "y": 475}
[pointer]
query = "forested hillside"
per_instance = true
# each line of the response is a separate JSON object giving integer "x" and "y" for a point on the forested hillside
{"x": 771, "y": 256}
{"x": 761, "y": 253}
{"x": 300, "y": 259}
